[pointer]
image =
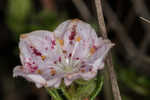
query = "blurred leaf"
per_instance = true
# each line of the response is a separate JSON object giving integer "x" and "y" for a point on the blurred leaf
{"x": 46, "y": 20}
{"x": 136, "y": 83}
{"x": 18, "y": 13}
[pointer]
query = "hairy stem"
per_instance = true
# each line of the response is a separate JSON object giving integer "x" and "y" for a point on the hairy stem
{"x": 109, "y": 64}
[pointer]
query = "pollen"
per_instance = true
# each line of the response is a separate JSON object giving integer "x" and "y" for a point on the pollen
{"x": 23, "y": 36}
{"x": 82, "y": 70}
{"x": 69, "y": 76}
{"x": 21, "y": 68}
{"x": 78, "y": 39}
{"x": 75, "y": 20}
{"x": 52, "y": 72}
{"x": 61, "y": 42}
{"x": 64, "y": 51}
{"x": 43, "y": 57}
{"x": 92, "y": 50}
{"x": 39, "y": 71}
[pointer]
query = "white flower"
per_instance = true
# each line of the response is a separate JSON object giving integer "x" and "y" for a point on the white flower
{"x": 72, "y": 51}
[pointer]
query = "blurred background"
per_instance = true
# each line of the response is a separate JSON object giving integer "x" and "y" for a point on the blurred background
{"x": 131, "y": 55}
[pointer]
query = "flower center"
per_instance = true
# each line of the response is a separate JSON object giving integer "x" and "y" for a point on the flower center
{"x": 68, "y": 64}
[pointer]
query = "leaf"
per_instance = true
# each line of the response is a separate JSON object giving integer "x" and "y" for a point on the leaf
{"x": 98, "y": 87}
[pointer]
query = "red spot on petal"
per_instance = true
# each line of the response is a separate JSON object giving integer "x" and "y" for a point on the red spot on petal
{"x": 30, "y": 67}
{"x": 95, "y": 47}
{"x": 46, "y": 48}
{"x": 59, "y": 59}
{"x": 55, "y": 62}
{"x": 70, "y": 42}
{"x": 73, "y": 33}
{"x": 70, "y": 54}
{"x": 77, "y": 58}
{"x": 82, "y": 66}
{"x": 90, "y": 69}
{"x": 53, "y": 42}
{"x": 35, "y": 68}
{"x": 35, "y": 51}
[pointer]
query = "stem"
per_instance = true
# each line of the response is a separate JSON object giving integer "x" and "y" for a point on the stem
{"x": 109, "y": 64}
{"x": 54, "y": 94}
{"x": 65, "y": 93}
{"x": 99, "y": 87}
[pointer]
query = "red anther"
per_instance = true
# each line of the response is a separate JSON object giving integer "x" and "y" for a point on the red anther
{"x": 73, "y": 33}
{"x": 35, "y": 51}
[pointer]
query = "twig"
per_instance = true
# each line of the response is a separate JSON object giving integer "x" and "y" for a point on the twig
{"x": 141, "y": 10}
{"x": 109, "y": 64}
{"x": 121, "y": 33}
{"x": 130, "y": 18}
{"x": 48, "y": 5}
{"x": 146, "y": 20}
{"x": 83, "y": 9}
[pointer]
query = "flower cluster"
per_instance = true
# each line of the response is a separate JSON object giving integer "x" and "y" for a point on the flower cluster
{"x": 71, "y": 52}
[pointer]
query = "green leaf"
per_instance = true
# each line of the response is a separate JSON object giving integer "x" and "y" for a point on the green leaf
{"x": 54, "y": 93}
{"x": 98, "y": 87}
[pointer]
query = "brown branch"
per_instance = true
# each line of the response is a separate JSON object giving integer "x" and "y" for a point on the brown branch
{"x": 109, "y": 64}
{"x": 83, "y": 9}
{"x": 48, "y": 5}
{"x": 132, "y": 53}
{"x": 121, "y": 32}
{"x": 142, "y": 11}
{"x": 130, "y": 18}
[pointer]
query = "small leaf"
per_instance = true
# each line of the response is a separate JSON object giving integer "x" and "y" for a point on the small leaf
{"x": 98, "y": 87}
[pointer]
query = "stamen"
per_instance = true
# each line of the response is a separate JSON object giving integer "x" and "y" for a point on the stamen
{"x": 43, "y": 57}
{"x": 78, "y": 39}
{"x": 52, "y": 71}
{"x": 73, "y": 52}
{"x": 39, "y": 71}
{"x": 60, "y": 51}
{"x": 64, "y": 51}
{"x": 61, "y": 42}
{"x": 92, "y": 50}
{"x": 22, "y": 36}
{"x": 82, "y": 70}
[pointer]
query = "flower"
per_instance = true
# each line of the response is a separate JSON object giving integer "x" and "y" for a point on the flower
{"x": 71, "y": 52}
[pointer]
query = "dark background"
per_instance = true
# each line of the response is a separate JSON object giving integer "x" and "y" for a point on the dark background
{"x": 131, "y": 55}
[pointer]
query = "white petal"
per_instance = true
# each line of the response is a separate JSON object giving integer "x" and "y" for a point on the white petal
{"x": 88, "y": 75}
{"x": 17, "y": 71}
{"x": 53, "y": 82}
{"x": 82, "y": 30}
{"x": 60, "y": 30}
{"x": 70, "y": 78}
{"x": 57, "y": 84}
{"x": 37, "y": 79}
{"x": 98, "y": 57}
{"x": 67, "y": 81}
{"x": 38, "y": 48}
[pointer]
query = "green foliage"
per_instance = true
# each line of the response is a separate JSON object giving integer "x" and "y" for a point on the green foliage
{"x": 21, "y": 18}
{"x": 138, "y": 84}
{"x": 79, "y": 90}
{"x": 46, "y": 20}
{"x": 18, "y": 12}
